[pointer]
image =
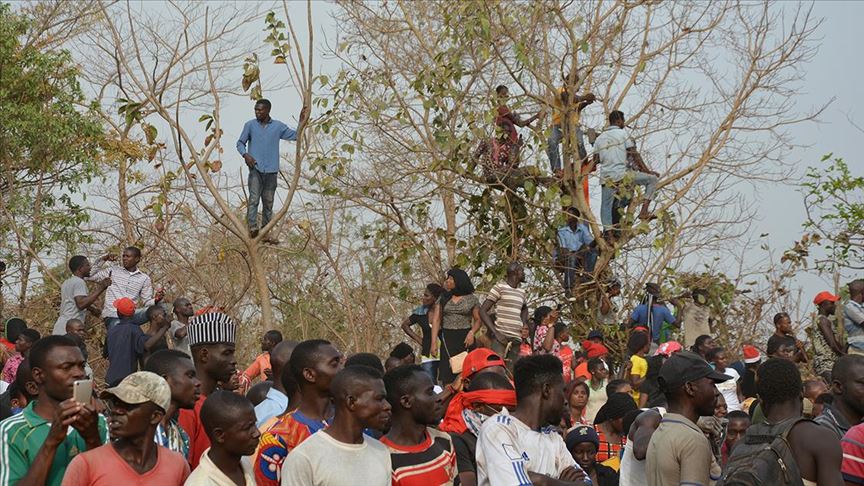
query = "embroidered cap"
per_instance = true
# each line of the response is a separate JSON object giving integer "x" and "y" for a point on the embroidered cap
{"x": 211, "y": 328}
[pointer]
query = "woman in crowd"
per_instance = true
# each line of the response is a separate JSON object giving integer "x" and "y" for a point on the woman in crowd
{"x": 577, "y": 394}
{"x": 730, "y": 389}
{"x": 702, "y": 345}
{"x": 638, "y": 346}
{"x": 609, "y": 424}
{"x": 582, "y": 442}
{"x": 455, "y": 319}
{"x": 596, "y": 387}
{"x": 420, "y": 317}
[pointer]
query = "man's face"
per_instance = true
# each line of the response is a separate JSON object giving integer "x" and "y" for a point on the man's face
{"x": 853, "y": 389}
{"x": 130, "y": 259}
{"x": 184, "y": 308}
{"x": 828, "y": 307}
{"x": 720, "y": 407}
{"x": 786, "y": 351}
{"x": 84, "y": 269}
{"x": 371, "y": 408}
{"x": 77, "y": 329}
{"x": 130, "y": 421}
{"x": 22, "y": 344}
{"x": 329, "y": 361}
{"x": 185, "y": 385}
{"x": 159, "y": 318}
{"x": 720, "y": 361}
{"x": 242, "y": 436}
{"x": 428, "y": 299}
{"x": 704, "y": 395}
{"x": 221, "y": 362}
{"x": 735, "y": 430}
{"x": 266, "y": 343}
{"x": 427, "y": 407}
{"x": 63, "y": 365}
{"x": 706, "y": 346}
{"x": 262, "y": 112}
{"x": 556, "y": 402}
{"x": 784, "y": 325}
{"x": 572, "y": 220}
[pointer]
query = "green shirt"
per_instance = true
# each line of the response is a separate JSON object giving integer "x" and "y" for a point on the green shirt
{"x": 21, "y": 437}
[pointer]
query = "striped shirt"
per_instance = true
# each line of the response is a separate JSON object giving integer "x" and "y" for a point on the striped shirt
{"x": 21, "y": 437}
{"x": 853, "y": 455}
{"x": 853, "y": 321}
{"x": 508, "y": 309}
{"x": 134, "y": 285}
{"x": 172, "y": 437}
{"x": 432, "y": 462}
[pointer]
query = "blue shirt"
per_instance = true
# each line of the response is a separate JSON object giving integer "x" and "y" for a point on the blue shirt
{"x": 263, "y": 143}
{"x": 661, "y": 315}
{"x": 125, "y": 346}
{"x": 574, "y": 240}
{"x": 274, "y": 404}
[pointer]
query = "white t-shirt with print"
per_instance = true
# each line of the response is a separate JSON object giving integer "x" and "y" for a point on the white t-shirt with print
{"x": 611, "y": 146}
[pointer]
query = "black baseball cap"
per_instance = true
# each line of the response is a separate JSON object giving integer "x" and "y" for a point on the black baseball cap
{"x": 686, "y": 366}
{"x": 595, "y": 334}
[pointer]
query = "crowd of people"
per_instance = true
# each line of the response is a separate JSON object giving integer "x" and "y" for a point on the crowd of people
{"x": 498, "y": 394}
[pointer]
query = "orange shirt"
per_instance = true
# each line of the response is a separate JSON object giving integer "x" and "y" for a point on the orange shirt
{"x": 103, "y": 466}
{"x": 261, "y": 363}
{"x": 190, "y": 420}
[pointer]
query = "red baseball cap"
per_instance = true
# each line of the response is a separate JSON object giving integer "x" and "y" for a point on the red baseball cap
{"x": 825, "y": 297}
{"x": 480, "y": 359}
{"x": 668, "y": 348}
{"x": 125, "y": 307}
{"x": 751, "y": 354}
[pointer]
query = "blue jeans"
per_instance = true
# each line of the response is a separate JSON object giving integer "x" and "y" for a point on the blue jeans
{"x": 577, "y": 264}
{"x": 610, "y": 193}
{"x": 431, "y": 367}
{"x": 262, "y": 187}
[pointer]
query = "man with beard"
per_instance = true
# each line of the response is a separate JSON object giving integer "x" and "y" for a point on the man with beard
{"x": 419, "y": 453}
{"x": 229, "y": 420}
{"x": 211, "y": 337}
{"x": 341, "y": 454}
{"x": 37, "y": 445}
{"x": 135, "y": 407}
{"x": 679, "y": 453}
{"x": 521, "y": 447}
{"x": 314, "y": 364}
{"x": 178, "y": 370}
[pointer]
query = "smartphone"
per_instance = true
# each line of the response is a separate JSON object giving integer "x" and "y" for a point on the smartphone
{"x": 82, "y": 391}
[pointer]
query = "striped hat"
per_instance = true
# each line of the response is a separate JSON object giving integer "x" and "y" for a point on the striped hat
{"x": 211, "y": 328}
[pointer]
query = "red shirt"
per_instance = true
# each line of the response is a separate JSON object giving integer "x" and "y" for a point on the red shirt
{"x": 433, "y": 461}
{"x": 853, "y": 455}
{"x": 9, "y": 345}
{"x": 608, "y": 449}
{"x": 190, "y": 420}
{"x": 103, "y": 466}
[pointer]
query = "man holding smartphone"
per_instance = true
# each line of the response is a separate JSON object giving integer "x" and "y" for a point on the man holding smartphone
{"x": 38, "y": 444}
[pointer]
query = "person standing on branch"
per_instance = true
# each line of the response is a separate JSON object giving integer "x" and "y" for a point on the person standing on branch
{"x": 569, "y": 105}
{"x": 259, "y": 146}
{"x": 183, "y": 310}
{"x": 420, "y": 317}
{"x": 853, "y": 317}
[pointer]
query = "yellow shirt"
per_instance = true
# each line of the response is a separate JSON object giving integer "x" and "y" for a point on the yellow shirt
{"x": 640, "y": 368}
{"x": 557, "y": 108}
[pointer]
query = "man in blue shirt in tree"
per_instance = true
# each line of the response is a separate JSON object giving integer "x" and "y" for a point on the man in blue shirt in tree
{"x": 577, "y": 250}
{"x": 259, "y": 146}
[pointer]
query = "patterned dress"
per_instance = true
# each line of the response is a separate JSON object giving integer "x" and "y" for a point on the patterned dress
{"x": 823, "y": 356}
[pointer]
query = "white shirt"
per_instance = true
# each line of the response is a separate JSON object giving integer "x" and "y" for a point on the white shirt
{"x": 322, "y": 460}
{"x": 134, "y": 285}
{"x": 179, "y": 344}
{"x": 74, "y": 286}
{"x": 611, "y": 146}
{"x": 507, "y": 449}
{"x": 729, "y": 389}
{"x": 208, "y": 474}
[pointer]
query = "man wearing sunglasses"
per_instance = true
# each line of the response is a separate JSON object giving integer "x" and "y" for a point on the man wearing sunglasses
{"x": 135, "y": 407}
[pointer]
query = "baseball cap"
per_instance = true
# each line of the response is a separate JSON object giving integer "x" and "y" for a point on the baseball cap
{"x": 141, "y": 387}
{"x": 825, "y": 297}
{"x": 579, "y": 434}
{"x": 480, "y": 359}
{"x": 125, "y": 306}
{"x": 668, "y": 348}
{"x": 595, "y": 333}
{"x": 686, "y": 366}
{"x": 751, "y": 354}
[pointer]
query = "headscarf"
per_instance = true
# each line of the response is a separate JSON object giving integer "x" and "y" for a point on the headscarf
{"x": 594, "y": 350}
{"x": 14, "y": 326}
{"x": 454, "y": 421}
{"x": 463, "y": 285}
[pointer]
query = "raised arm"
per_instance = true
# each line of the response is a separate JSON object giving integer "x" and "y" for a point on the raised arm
{"x": 84, "y": 301}
{"x": 406, "y": 328}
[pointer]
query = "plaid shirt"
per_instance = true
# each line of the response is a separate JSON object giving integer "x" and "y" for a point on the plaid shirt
{"x": 134, "y": 285}
{"x": 608, "y": 450}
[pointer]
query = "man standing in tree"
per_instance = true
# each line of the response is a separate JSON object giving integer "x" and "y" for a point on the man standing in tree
{"x": 127, "y": 280}
{"x": 826, "y": 343}
{"x": 183, "y": 310}
{"x": 259, "y": 146}
{"x": 74, "y": 299}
